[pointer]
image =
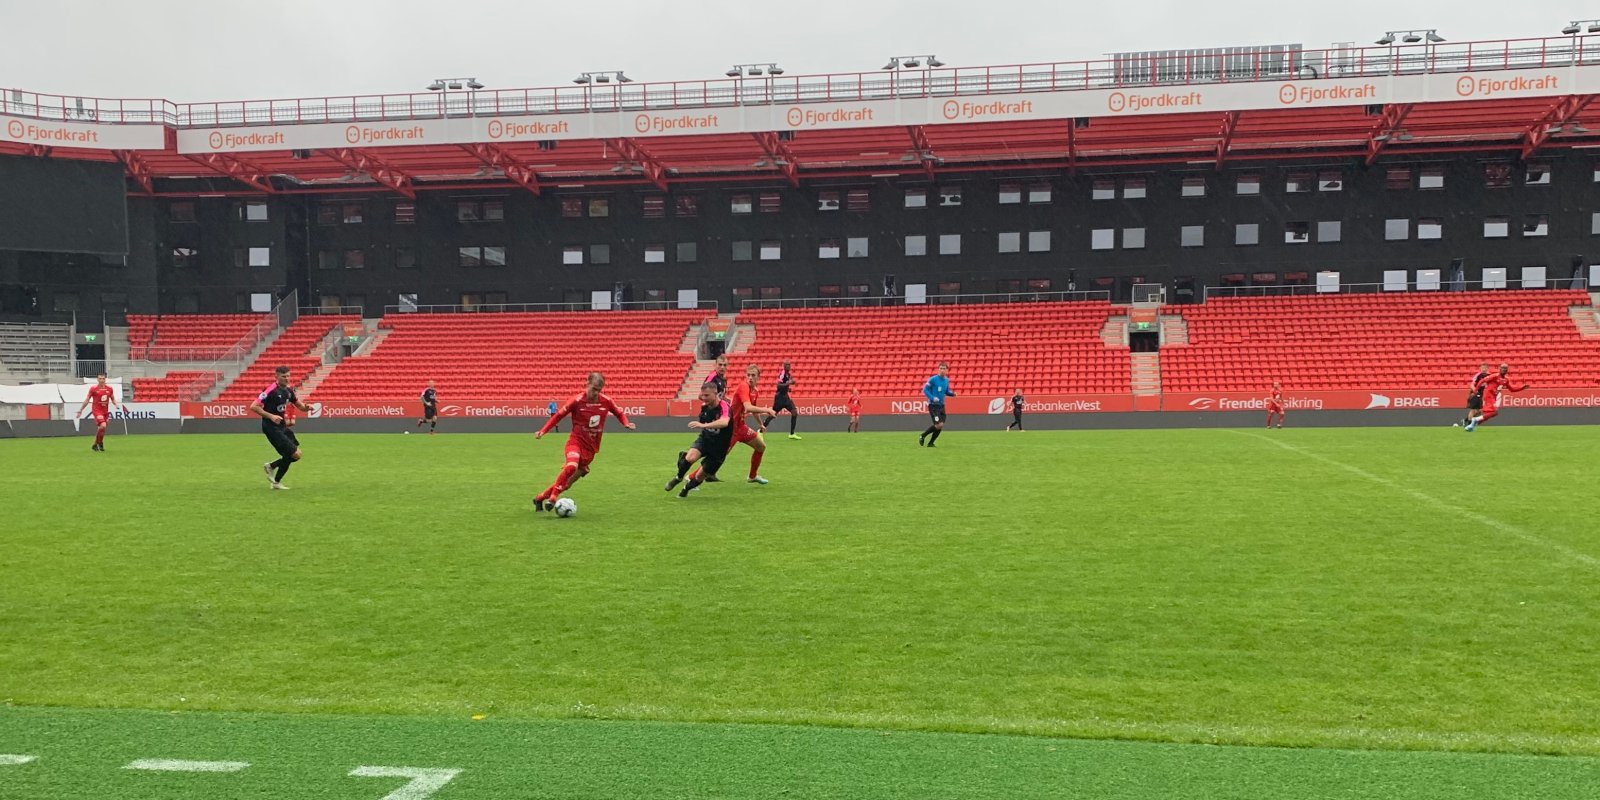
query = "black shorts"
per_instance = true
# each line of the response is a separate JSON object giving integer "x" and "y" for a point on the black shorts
{"x": 1475, "y": 401}
{"x": 784, "y": 404}
{"x": 429, "y": 411}
{"x": 713, "y": 451}
{"x": 283, "y": 439}
{"x": 936, "y": 411}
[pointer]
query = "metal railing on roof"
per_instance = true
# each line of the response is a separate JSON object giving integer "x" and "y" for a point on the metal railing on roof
{"x": 1441, "y": 285}
{"x": 500, "y": 308}
{"x": 1369, "y": 61}
{"x": 931, "y": 300}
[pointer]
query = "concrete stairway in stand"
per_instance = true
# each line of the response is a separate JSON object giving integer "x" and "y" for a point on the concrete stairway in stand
{"x": 1146, "y": 374}
{"x": 1586, "y": 320}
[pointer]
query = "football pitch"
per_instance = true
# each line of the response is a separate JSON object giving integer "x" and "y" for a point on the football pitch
{"x": 1350, "y": 613}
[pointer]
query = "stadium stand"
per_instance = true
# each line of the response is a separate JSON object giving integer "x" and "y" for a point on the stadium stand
{"x": 292, "y": 349}
{"x": 1395, "y": 341}
{"x": 519, "y": 356}
{"x": 174, "y": 386}
{"x": 35, "y": 348}
{"x": 1047, "y": 348}
{"x": 189, "y": 337}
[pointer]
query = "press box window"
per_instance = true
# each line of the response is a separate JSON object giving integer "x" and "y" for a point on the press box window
{"x": 1134, "y": 189}
{"x": 916, "y": 198}
{"x": 1010, "y": 193}
{"x": 1193, "y": 186}
{"x": 1038, "y": 241}
{"x": 1192, "y": 236}
{"x": 1010, "y": 242}
{"x": 741, "y": 204}
{"x": 916, "y": 245}
{"x": 1431, "y": 178}
{"x": 1103, "y": 239}
{"x": 950, "y": 244}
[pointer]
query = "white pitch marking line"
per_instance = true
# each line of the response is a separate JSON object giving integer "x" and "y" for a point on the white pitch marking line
{"x": 424, "y": 782}
{"x": 175, "y": 765}
{"x": 8, "y": 760}
{"x": 1488, "y": 522}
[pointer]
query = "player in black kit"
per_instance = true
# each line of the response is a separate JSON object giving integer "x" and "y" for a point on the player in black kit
{"x": 270, "y": 406}
{"x": 782, "y": 402}
{"x": 1016, "y": 410}
{"x": 430, "y": 409}
{"x": 711, "y": 447}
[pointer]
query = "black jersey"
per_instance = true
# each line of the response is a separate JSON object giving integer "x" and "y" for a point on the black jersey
{"x": 718, "y": 439}
{"x": 1016, "y": 402}
{"x": 276, "y": 400}
{"x": 780, "y": 392}
{"x": 719, "y": 381}
{"x": 429, "y": 396}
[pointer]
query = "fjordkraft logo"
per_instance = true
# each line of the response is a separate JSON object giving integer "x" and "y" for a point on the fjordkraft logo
{"x": 641, "y": 123}
{"x": 1307, "y": 94}
{"x": 1469, "y": 86}
{"x": 502, "y": 129}
{"x": 215, "y": 140}
{"x": 16, "y": 129}
{"x": 1120, "y": 102}
{"x": 352, "y": 134}
{"x": 952, "y": 109}
{"x": 997, "y": 405}
{"x": 794, "y": 117}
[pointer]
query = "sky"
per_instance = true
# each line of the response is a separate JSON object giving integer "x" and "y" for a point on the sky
{"x": 189, "y": 51}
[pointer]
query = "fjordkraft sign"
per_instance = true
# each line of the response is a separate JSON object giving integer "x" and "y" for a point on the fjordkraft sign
{"x": 1376, "y": 400}
{"x": 1071, "y": 99}
{"x": 961, "y": 404}
{"x": 87, "y": 135}
{"x": 412, "y": 409}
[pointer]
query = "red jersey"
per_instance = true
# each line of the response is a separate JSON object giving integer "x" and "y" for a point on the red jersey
{"x": 102, "y": 397}
{"x": 1276, "y": 399}
{"x": 1494, "y": 385}
{"x": 855, "y": 406}
{"x": 742, "y": 397}
{"x": 588, "y": 419}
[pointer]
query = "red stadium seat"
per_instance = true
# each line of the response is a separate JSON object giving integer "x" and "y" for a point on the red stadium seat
{"x": 1397, "y": 341}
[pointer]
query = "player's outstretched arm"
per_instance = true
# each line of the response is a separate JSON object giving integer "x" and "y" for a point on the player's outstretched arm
{"x": 554, "y": 420}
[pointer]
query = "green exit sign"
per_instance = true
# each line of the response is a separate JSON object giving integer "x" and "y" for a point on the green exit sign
{"x": 91, "y": 337}
{"x": 1143, "y": 326}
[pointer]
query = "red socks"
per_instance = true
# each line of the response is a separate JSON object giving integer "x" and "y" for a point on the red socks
{"x": 755, "y": 463}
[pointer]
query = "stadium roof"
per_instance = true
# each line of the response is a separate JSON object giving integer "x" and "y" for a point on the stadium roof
{"x": 1358, "y": 108}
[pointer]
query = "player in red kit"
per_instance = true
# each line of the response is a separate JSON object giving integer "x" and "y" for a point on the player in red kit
{"x": 1275, "y": 404}
{"x": 741, "y": 404}
{"x": 104, "y": 397}
{"x": 1493, "y": 387}
{"x": 854, "y": 406}
{"x": 588, "y": 412}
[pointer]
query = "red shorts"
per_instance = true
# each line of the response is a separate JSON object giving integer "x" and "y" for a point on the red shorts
{"x": 1274, "y": 408}
{"x": 100, "y": 418}
{"x": 745, "y": 436}
{"x": 577, "y": 452}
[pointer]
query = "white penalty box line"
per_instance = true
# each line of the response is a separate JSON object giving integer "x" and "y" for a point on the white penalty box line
{"x": 177, "y": 765}
{"x": 1449, "y": 508}
{"x": 10, "y": 760}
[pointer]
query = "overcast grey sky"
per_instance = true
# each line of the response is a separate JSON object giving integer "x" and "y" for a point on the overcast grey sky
{"x": 188, "y": 50}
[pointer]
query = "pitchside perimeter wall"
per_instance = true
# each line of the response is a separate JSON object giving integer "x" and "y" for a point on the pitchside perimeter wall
{"x": 829, "y": 424}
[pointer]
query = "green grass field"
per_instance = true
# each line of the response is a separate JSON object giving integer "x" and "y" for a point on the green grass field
{"x": 1388, "y": 613}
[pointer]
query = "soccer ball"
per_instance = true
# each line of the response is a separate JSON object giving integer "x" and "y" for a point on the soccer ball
{"x": 565, "y": 507}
